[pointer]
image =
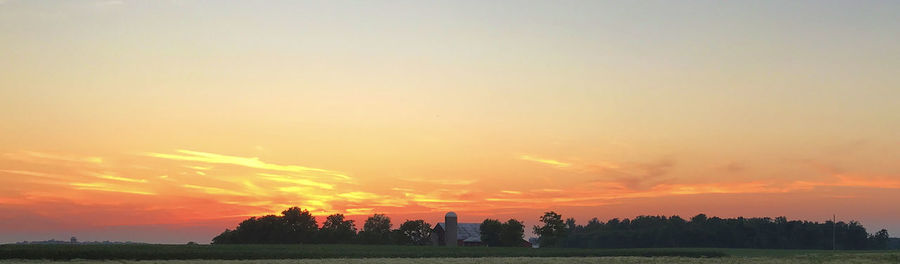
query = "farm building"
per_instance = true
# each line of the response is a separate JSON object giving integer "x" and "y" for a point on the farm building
{"x": 450, "y": 233}
{"x": 460, "y": 234}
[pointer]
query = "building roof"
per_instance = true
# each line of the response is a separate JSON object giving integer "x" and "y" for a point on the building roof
{"x": 467, "y": 232}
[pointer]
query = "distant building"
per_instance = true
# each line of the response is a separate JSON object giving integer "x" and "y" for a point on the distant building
{"x": 73, "y": 240}
{"x": 450, "y": 233}
{"x": 533, "y": 242}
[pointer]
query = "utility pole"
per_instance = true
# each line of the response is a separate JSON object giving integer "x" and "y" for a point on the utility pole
{"x": 833, "y": 229}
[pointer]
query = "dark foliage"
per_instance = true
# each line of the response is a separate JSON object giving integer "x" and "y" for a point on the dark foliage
{"x": 337, "y": 230}
{"x": 490, "y": 232}
{"x": 894, "y": 243}
{"x": 701, "y": 231}
{"x": 497, "y": 234}
{"x": 300, "y": 224}
{"x": 293, "y": 226}
{"x": 297, "y": 226}
{"x": 553, "y": 230}
{"x": 512, "y": 233}
{"x": 414, "y": 232}
{"x": 376, "y": 230}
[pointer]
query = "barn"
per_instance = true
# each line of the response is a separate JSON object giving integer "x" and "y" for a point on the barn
{"x": 466, "y": 234}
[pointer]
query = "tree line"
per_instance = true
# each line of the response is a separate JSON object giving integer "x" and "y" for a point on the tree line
{"x": 505, "y": 234}
{"x": 703, "y": 231}
{"x": 298, "y": 226}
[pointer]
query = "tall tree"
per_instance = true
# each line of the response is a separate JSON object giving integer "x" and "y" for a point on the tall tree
{"x": 414, "y": 232}
{"x": 880, "y": 240}
{"x": 512, "y": 233}
{"x": 490, "y": 232}
{"x": 300, "y": 226}
{"x": 376, "y": 230}
{"x": 337, "y": 230}
{"x": 553, "y": 230}
{"x": 570, "y": 224}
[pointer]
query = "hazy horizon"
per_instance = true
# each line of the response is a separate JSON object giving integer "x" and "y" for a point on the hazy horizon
{"x": 169, "y": 121}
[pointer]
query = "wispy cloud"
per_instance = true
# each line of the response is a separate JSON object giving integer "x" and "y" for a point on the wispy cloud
{"x": 294, "y": 180}
{"x": 854, "y": 181}
{"x": 250, "y": 162}
{"x": 441, "y": 181}
{"x": 359, "y": 211}
{"x": 32, "y": 156}
{"x": 550, "y": 162}
{"x": 433, "y": 198}
{"x": 117, "y": 178}
{"x": 214, "y": 190}
{"x": 198, "y": 167}
{"x": 99, "y": 186}
{"x": 31, "y": 173}
{"x": 247, "y": 186}
{"x": 359, "y": 196}
{"x": 638, "y": 175}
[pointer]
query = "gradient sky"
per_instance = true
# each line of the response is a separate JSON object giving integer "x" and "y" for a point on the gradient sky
{"x": 169, "y": 121}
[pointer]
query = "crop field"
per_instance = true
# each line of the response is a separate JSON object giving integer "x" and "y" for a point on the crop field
{"x": 173, "y": 252}
{"x": 325, "y": 254}
{"x": 862, "y": 258}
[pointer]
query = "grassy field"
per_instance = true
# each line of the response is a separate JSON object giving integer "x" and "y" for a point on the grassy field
{"x": 323, "y": 254}
{"x": 172, "y": 252}
{"x": 859, "y": 258}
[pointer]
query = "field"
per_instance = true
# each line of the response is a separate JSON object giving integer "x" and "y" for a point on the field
{"x": 835, "y": 259}
{"x": 168, "y": 252}
{"x": 323, "y": 254}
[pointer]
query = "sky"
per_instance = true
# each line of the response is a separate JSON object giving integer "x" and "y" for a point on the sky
{"x": 170, "y": 121}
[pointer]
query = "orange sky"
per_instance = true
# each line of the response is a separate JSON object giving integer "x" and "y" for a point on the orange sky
{"x": 169, "y": 121}
{"x": 48, "y": 193}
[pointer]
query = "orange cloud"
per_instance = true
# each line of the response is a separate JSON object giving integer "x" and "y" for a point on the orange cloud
{"x": 117, "y": 178}
{"x": 171, "y": 191}
{"x": 240, "y": 161}
{"x": 550, "y": 162}
{"x": 41, "y": 157}
{"x": 99, "y": 186}
{"x": 853, "y": 181}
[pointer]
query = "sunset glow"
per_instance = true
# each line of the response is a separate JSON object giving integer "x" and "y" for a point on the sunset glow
{"x": 169, "y": 121}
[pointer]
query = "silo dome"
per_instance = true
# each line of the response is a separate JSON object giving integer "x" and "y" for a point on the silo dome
{"x": 450, "y": 214}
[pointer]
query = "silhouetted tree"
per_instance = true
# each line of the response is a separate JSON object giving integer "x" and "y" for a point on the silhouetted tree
{"x": 553, "y": 230}
{"x": 300, "y": 226}
{"x": 414, "y": 232}
{"x": 226, "y": 237}
{"x": 296, "y": 225}
{"x": 570, "y": 224}
{"x": 879, "y": 240}
{"x": 512, "y": 233}
{"x": 703, "y": 231}
{"x": 293, "y": 226}
{"x": 337, "y": 230}
{"x": 490, "y": 232}
{"x": 266, "y": 229}
{"x": 376, "y": 230}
